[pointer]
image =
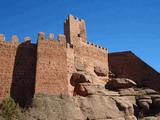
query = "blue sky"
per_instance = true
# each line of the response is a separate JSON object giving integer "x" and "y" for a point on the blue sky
{"x": 118, "y": 25}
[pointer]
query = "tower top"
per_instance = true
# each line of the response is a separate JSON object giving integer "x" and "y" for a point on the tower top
{"x": 74, "y": 29}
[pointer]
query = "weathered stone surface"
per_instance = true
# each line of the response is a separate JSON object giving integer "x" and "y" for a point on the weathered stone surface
{"x": 15, "y": 39}
{"x": 150, "y": 91}
{"x": 62, "y": 107}
{"x": 84, "y": 89}
{"x": 144, "y": 105}
{"x": 51, "y": 36}
{"x": 145, "y": 97}
{"x": 77, "y": 78}
{"x": 2, "y": 37}
{"x": 155, "y": 96}
{"x": 100, "y": 71}
{"x": 118, "y": 83}
{"x": 156, "y": 102}
{"x": 79, "y": 65}
{"x": 127, "y": 92}
{"x": 150, "y": 118}
{"x": 124, "y": 104}
{"x": 149, "y": 101}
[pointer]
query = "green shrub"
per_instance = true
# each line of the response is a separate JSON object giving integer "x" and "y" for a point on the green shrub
{"x": 9, "y": 109}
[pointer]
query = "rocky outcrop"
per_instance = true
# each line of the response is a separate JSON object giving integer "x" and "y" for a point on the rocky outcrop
{"x": 118, "y": 83}
{"x": 79, "y": 78}
{"x": 93, "y": 107}
{"x": 100, "y": 71}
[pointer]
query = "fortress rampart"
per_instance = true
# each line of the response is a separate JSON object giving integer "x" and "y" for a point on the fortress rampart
{"x": 47, "y": 66}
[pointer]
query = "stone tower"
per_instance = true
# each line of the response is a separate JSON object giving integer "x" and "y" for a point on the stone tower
{"x": 74, "y": 29}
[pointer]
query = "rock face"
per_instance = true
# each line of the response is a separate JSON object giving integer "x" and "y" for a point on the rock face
{"x": 93, "y": 107}
{"x": 117, "y": 83}
{"x": 100, "y": 72}
{"x": 95, "y": 102}
{"x": 79, "y": 78}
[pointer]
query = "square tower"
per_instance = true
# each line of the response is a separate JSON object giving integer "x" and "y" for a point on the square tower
{"x": 74, "y": 28}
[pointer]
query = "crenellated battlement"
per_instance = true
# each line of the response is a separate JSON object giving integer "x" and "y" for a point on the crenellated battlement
{"x": 96, "y": 46}
{"x": 61, "y": 39}
{"x": 2, "y": 37}
{"x": 70, "y": 16}
{"x": 14, "y": 39}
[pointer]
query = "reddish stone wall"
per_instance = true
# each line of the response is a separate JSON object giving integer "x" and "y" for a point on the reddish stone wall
{"x": 7, "y": 58}
{"x": 17, "y": 71}
{"x": 24, "y": 72}
{"x": 70, "y": 67}
{"x": 128, "y": 65}
{"x": 85, "y": 56}
{"x": 51, "y": 75}
{"x": 91, "y": 56}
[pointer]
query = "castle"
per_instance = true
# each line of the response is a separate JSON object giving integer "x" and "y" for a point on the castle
{"x": 47, "y": 66}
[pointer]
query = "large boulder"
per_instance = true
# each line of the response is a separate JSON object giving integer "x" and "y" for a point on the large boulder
{"x": 100, "y": 71}
{"x": 144, "y": 102}
{"x": 120, "y": 83}
{"x": 77, "y": 78}
{"x": 84, "y": 89}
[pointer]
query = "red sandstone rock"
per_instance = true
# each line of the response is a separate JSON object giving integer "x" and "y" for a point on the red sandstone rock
{"x": 119, "y": 83}
{"x": 84, "y": 89}
{"x": 78, "y": 78}
{"x": 100, "y": 71}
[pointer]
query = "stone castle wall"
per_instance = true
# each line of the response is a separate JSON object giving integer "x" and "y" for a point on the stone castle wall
{"x": 51, "y": 77}
{"x": 7, "y": 60}
{"x": 17, "y": 75}
{"x": 91, "y": 56}
{"x": 84, "y": 57}
{"x": 24, "y": 71}
{"x": 128, "y": 65}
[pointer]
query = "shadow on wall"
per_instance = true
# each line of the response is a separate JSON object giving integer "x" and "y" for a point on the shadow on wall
{"x": 23, "y": 83}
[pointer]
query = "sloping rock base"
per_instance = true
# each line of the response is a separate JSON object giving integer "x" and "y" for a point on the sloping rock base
{"x": 94, "y": 107}
{"x": 136, "y": 104}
